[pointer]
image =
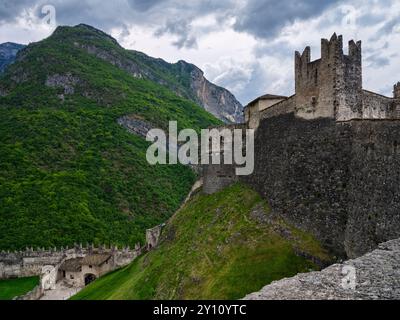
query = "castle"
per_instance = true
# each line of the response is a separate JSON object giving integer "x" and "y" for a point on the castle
{"x": 330, "y": 87}
{"x": 327, "y": 158}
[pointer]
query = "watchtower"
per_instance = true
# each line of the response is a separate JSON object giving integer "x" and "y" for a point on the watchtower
{"x": 332, "y": 85}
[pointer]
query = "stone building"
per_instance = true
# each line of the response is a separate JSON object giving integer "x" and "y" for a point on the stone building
{"x": 253, "y": 109}
{"x": 81, "y": 271}
{"x": 330, "y": 87}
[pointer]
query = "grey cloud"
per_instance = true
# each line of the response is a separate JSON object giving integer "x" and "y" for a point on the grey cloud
{"x": 181, "y": 29}
{"x": 377, "y": 61}
{"x": 262, "y": 19}
{"x": 265, "y": 19}
{"x": 375, "y": 58}
{"x": 250, "y": 81}
{"x": 10, "y": 10}
{"x": 120, "y": 13}
{"x": 388, "y": 28}
{"x": 370, "y": 19}
{"x": 144, "y": 5}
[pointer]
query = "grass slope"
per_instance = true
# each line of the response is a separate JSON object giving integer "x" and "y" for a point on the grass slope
{"x": 68, "y": 172}
{"x": 214, "y": 248}
{"x": 16, "y": 287}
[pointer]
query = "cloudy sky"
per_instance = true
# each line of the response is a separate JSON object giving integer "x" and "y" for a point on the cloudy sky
{"x": 246, "y": 46}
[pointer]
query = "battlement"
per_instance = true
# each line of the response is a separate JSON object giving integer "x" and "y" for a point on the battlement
{"x": 76, "y": 249}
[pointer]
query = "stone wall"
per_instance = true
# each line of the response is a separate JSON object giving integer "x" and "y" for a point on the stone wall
{"x": 27, "y": 263}
{"x": 376, "y": 106}
{"x": 219, "y": 176}
{"x": 338, "y": 181}
{"x": 30, "y": 262}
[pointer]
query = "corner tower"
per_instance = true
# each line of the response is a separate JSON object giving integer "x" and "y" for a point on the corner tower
{"x": 330, "y": 87}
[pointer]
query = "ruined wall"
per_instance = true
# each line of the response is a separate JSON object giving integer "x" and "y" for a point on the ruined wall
{"x": 27, "y": 263}
{"x": 338, "y": 181}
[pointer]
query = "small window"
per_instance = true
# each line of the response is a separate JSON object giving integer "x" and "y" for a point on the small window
{"x": 90, "y": 266}
{"x": 71, "y": 276}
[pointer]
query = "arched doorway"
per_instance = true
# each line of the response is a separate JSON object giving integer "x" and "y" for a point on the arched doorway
{"x": 90, "y": 277}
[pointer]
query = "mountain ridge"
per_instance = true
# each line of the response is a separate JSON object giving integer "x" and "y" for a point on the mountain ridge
{"x": 185, "y": 79}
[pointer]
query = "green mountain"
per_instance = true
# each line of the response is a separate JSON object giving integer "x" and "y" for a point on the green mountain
{"x": 68, "y": 171}
{"x": 220, "y": 246}
{"x": 185, "y": 79}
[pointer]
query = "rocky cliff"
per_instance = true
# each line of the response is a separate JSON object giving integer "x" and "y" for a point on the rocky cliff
{"x": 375, "y": 275}
{"x": 216, "y": 100}
{"x": 183, "y": 78}
{"x": 8, "y": 52}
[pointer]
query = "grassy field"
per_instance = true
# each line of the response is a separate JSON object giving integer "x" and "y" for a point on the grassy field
{"x": 16, "y": 287}
{"x": 214, "y": 248}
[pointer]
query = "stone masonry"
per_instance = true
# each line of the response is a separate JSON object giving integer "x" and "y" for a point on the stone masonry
{"x": 327, "y": 158}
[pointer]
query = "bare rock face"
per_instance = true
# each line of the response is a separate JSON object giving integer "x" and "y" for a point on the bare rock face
{"x": 135, "y": 125}
{"x": 185, "y": 79}
{"x": 67, "y": 81}
{"x": 373, "y": 276}
{"x": 214, "y": 99}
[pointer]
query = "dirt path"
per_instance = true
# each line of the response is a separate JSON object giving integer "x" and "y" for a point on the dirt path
{"x": 62, "y": 292}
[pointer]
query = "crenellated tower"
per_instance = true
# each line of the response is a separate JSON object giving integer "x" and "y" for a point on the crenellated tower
{"x": 332, "y": 85}
{"x": 396, "y": 90}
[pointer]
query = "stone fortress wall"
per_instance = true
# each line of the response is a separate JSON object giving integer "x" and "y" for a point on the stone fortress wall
{"x": 327, "y": 159}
